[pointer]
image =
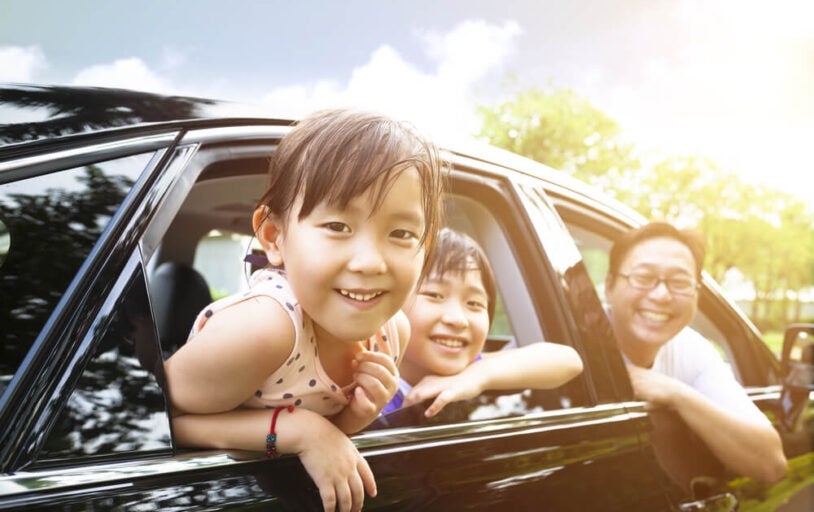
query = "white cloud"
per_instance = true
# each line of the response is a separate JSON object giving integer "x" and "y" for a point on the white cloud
{"x": 20, "y": 63}
{"x": 131, "y": 73}
{"x": 472, "y": 49}
{"x": 439, "y": 102}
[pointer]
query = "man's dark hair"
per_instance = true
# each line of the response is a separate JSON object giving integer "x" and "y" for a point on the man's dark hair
{"x": 691, "y": 238}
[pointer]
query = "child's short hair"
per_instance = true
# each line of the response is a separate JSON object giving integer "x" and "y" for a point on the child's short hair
{"x": 335, "y": 155}
{"x": 457, "y": 253}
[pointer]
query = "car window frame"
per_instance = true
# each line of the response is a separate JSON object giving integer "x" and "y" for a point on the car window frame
{"x": 27, "y": 403}
{"x": 751, "y": 360}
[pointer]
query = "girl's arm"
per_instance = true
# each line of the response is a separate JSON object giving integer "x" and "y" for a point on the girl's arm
{"x": 329, "y": 457}
{"x": 536, "y": 366}
{"x": 230, "y": 358}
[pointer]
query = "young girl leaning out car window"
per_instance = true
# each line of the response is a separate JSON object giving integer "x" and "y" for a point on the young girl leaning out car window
{"x": 309, "y": 353}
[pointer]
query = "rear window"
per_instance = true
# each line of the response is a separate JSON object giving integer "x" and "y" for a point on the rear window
{"x": 48, "y": 225}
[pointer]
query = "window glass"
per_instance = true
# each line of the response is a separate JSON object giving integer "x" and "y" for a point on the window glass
{"x": 515, "y": 324}
{"x": 219, "y": 258}
{"x": 117, "y": 404}
{"x": 48, "y": 224}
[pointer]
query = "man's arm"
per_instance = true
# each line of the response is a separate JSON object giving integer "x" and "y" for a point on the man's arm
{"x": 746, "y": 445}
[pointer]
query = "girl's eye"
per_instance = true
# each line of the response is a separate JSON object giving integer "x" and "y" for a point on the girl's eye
{"x": 339, "y": 227}
{"x": 403, "y": 234}
{"x": 431, "y": 294}
{"x": 476, "y": 304}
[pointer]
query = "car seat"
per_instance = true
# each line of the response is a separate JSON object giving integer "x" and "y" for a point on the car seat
{"x": 178, "y": 293}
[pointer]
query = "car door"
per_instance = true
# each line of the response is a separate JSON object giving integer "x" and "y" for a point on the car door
{"x": 692, "y": 473}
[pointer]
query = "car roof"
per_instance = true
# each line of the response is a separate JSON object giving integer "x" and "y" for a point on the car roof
{"x": 31, "y": 113}
{"x": 36, "y": 115}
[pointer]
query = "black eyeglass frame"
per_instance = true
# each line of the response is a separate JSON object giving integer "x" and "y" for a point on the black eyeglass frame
{"x": 657, "y": 280}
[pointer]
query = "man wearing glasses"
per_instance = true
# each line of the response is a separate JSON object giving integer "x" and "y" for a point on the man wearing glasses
{"x": 652, "y": 293}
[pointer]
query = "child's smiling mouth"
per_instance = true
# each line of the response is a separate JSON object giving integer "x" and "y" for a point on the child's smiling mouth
{"x": 449, "y": 342}
{"x": 360, "y": 296}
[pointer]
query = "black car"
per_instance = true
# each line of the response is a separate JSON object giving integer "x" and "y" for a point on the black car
{"x": 123, "y": 213}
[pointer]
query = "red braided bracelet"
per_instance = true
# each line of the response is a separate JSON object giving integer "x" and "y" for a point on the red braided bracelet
{"x": 271, "y": 438}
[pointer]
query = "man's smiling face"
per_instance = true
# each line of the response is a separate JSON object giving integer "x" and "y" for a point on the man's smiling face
{"x": 644, "y": 320}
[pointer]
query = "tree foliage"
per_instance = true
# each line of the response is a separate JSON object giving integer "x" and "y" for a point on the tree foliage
{"x": 560, "y": 129}
{"x": 767, "y": 235}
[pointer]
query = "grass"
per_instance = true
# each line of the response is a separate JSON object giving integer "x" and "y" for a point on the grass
{"x": 774, "y": 339}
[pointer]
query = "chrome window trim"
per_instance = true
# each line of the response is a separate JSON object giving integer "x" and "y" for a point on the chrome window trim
{"x": 386, "y": 440}
{"x": 234, "y": 134}
{"x": 29, "y": 166}
{"x": 373, "y": 443}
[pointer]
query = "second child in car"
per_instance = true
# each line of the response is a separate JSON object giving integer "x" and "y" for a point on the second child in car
{"x": 450, "y": 313}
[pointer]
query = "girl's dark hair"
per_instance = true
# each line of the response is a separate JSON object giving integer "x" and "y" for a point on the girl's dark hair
{"x": 457, "y": 253}
{"x": 336, "y": 155}
{"x": 692, "y": 239}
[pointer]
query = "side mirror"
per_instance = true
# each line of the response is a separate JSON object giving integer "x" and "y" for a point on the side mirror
{"x": 797, "y": 364}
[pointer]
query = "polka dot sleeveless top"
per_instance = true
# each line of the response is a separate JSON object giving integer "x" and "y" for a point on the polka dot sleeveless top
{"x": 301, "y": 381}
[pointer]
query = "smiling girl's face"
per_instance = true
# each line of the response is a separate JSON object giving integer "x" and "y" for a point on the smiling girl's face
{"x": 449, "y": 322}
{"x": 352, "y": 268}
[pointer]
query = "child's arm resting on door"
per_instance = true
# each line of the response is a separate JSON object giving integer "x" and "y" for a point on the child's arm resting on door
{"x": 536, "y": 366}
{"x": 328, "y": 455}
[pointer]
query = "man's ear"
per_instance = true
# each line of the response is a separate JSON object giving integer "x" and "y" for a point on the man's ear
{"x": 268, "y": 229}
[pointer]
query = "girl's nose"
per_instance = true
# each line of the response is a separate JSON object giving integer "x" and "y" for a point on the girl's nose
{"x": 367, "y": 258}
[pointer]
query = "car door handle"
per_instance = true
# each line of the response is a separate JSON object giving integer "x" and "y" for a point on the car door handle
{"x": 725, "y": 502}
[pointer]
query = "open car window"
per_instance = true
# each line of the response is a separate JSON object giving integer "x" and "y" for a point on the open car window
{"x": 595, "y": 242}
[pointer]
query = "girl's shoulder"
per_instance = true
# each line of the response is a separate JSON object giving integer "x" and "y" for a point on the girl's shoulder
{"x": 400, "y": 326}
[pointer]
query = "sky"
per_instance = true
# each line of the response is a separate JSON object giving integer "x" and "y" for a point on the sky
{"x": 732, "y": 80}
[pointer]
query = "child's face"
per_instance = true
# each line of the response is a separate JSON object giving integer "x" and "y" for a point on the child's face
{"x": 449, "y": 322}
{"x": 352, "y": 269}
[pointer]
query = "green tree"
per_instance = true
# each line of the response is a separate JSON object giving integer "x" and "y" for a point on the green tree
{"x": 767, "y": 235}
{"x": 559, "y": 128}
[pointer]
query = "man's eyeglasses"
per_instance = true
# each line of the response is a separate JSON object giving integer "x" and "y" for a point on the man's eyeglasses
{"x": 676, "y": 285}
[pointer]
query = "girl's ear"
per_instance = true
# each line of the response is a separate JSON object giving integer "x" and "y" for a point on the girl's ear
{"x": 269, "y": 232}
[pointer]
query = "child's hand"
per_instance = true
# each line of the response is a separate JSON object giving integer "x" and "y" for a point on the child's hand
{"x": 376, "y": 377}
{"x": 376, "y": 380}
{"x": 336, "y": 467}
{"x": 445, "y": 389}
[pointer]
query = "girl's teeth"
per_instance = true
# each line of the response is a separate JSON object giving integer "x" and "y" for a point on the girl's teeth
{"x": 449, "y": 343}
{"x": 360, "y": 296}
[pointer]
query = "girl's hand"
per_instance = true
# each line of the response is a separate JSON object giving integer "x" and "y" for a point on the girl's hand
{"x": 376, "y": 377}
{"x": 336, "y": 466}
{"x": 376, "y": 380}
{"x": 445, "y": 389}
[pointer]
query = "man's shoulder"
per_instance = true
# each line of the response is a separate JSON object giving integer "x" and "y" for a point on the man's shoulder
{"x": 687, "y": 355}
{"x": 690, "y": 340}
